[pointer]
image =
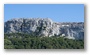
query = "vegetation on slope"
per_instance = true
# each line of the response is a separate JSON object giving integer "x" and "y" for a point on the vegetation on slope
{"x": 26, "y": 41}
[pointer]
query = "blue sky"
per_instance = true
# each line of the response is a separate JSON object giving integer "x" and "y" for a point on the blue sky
{"x": 57, "y": 12}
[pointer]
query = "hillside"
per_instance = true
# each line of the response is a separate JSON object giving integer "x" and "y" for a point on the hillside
{"x": 27, "y": 41}
{"x": 45, "y": 28}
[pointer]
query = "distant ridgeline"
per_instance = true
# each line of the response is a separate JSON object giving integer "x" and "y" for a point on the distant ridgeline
{"x": 45, "y": 28}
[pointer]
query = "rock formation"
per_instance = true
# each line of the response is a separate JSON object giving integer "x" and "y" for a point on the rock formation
{"x": 45, "y": 27}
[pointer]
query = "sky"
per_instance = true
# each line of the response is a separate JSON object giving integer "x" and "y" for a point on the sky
{"x": 56, "y": 12}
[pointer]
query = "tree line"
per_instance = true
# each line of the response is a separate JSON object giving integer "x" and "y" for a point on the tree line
{"x": 27, "y": 41}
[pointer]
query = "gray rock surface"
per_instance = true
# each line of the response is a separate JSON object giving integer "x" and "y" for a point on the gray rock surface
{"x": 45, "y": 27}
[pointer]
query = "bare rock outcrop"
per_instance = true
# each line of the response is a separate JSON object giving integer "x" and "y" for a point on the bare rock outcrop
{"x": 45, "y": 27}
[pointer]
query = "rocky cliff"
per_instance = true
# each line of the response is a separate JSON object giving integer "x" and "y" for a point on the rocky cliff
{"x": 45, "y": 27}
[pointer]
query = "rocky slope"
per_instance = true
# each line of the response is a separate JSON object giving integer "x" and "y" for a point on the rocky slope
{"x": 45, "y": 27}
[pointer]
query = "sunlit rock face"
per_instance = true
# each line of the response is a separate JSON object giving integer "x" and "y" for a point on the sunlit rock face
{"x": 45, "y": 27}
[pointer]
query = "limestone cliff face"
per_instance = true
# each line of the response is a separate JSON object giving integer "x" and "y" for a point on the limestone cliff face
{"x": 45, "y": 27}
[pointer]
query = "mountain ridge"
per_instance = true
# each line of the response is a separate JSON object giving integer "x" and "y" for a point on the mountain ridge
{"x": 45, "y": 27}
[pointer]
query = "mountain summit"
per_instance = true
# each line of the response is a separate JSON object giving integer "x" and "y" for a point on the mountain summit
{"x": 45, "y": 27}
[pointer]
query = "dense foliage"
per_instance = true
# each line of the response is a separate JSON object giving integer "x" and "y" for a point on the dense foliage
{"x": 26, "y": 41}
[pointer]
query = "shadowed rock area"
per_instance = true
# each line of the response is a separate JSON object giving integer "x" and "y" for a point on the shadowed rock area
{"x": 45, "y": 27}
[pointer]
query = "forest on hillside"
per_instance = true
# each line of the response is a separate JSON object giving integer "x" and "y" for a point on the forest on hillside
{"x": 27, "y": 41}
